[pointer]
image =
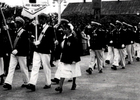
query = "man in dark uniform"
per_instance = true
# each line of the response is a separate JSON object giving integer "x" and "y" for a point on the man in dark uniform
{"x": 1, "y": 56}
{"x": 129, "y": 40}
{"x": 119, "y": 46}
{"x": 97, "y": 47}
{"x": 137, "y": 42}
{"x": 18, "y": 55}
{"x": 44, "y": 46}
{"x": 109, "y": 38}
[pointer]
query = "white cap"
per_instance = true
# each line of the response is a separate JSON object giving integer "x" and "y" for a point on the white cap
{"x": 93, "y": 22}
{"x": 124, "y": 23}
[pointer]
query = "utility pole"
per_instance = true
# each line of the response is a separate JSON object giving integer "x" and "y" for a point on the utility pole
{"x": 97, "y": 9}
{"x": 59, "y": 8}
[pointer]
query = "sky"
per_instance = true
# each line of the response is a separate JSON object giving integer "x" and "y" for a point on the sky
{"x": 52, "y": 7}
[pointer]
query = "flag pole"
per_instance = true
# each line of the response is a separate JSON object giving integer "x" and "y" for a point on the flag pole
{"x": 6, "y": 28}
{"x": 36, "y": 33}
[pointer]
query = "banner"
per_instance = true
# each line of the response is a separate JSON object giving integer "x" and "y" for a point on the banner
{"x": 32, "y": 8}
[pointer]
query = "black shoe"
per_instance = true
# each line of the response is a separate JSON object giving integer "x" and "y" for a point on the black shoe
{"x": 70, "y": 80}
{"x": 123, "y": 67}
{"x": 31, "y": 87}
{"x": 107, "y": 61}
{"x": 55, "y": 80}
{"x": 59, "y": 89}
{"x": 52, "y": 65}
{"x": 73, "y": 87}
{"x": 89, "y": 71}
{"x": 47, "y": 87}
{"x": 100, "y": 71}
{"x": 129, "y": 62}
{"x": 7, "y": 86}
{"x": 24, "y": 85}
{"x": 138, "y": 59}
{"x": 114, "y": 67}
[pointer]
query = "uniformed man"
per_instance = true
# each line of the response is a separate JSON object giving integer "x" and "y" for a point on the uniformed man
{"x": 129, "y": 40}
{"x": 119, "y": 46}
{"x": 44, "y": 46}
{"x": 18, "y": 55}
{"x": 109, "y": 38}
{"x": 137, "y": 42}
{"x": 97, "y": 47}
{"x": 1, "y": 56}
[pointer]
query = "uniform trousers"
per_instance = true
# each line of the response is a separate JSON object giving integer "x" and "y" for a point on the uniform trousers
{"x": 129, "y": 52}
{"x": 93, "y": 59}
{"x": 119, "y": 56}
{"x": 133, "y": 50}
{"x": 58, "y": 71}
{"x": 99, "y": 56}
{"x": 14, "y": 60}
{"x": 110, "y": 54}
{"x": 137, "y": 49}
{"x": 1, "y": 66}
{"x": 38, "y": 60}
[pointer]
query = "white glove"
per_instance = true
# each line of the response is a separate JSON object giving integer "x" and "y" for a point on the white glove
{"x": 56, "y": 42}
{"x": 123, "y": 45}
{"x": 73, "y": 62}
{"x": 6, "y": 27}
{"x": 111, "y": 41}
{"x": 14, "y": 52}
{"x": 131, "y": 41}
{"x": 37, "y": 42}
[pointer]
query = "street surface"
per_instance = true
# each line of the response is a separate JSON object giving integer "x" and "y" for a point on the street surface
{"x": 122, "y": 84}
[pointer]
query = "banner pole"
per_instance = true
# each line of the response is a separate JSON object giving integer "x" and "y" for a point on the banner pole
{"x": 6, "y": 29}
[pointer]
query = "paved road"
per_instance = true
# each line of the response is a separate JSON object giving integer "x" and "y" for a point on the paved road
{"x": 123, "y": 84}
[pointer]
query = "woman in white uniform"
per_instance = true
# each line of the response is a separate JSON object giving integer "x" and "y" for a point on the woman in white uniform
{"x": 70, "y": 57}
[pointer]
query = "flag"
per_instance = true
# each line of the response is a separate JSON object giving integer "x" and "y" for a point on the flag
{"x": 33, "y": 8}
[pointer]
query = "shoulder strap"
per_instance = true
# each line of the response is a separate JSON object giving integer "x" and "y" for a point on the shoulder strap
{"x": 43, "y": 32}
{"x": 18, "y": 36}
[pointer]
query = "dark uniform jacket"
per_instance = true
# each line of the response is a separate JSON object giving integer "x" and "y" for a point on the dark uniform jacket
{"x": 59, "y": 37}
{"x": 22, "y": 45}
{"x": 137, "y": 36}
{"x": 97, "y": 39}
{"x": 70, "y": 50}
{"x": 109, "y": 37}
{"x": 47, "y": 42}
{"x": 119, "y": 39}
{"x": 129, "y": 37}
{"x": 1, "y": 44}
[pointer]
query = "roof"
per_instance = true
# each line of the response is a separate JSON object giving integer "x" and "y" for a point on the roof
{"x": 108, "y": 8}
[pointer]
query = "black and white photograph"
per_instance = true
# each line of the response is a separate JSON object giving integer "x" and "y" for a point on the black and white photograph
{"x": 69, "y": 49}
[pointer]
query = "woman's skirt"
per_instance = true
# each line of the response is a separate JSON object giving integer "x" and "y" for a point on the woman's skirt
{"x": 69, "y": 70}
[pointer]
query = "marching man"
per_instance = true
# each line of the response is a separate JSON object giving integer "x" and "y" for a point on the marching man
{"x": 44, "y": 46}
{"x": 18, "y": 55}
{"x": 119, "y": 46}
